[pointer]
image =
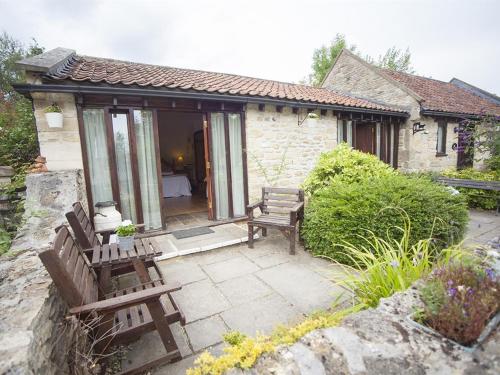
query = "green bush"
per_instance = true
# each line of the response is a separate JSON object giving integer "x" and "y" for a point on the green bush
{"x": 344, "y": 164}
{"x": 477, "y": 198}
{"x": 347, "y": 212}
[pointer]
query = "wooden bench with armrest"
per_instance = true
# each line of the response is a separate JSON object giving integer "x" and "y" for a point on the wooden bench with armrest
{"x": 280, "y": 208}
{"x": 125, "y": 314}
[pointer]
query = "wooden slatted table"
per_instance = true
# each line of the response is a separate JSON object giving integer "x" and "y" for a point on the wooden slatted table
{"x": 104, "y": 257}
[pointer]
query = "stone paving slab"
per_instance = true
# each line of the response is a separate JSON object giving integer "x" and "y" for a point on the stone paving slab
{"x": 229, "y": 269}
{"x": 182, "y": 271}
{"x": 303, "y": 288}
{"x": 200, "y": 300}
{"x": 205, "y": 333}
{"x": 261, "y": 315}
{"x": 243, "y": 289}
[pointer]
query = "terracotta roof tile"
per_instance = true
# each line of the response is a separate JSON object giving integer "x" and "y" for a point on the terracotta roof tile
{"x": 100, "y": 70}
{"x": 444, "y": 96}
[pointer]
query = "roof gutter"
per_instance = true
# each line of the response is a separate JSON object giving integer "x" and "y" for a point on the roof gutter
{"x": 428, "y": 112}
{"x": 108, "y": 90}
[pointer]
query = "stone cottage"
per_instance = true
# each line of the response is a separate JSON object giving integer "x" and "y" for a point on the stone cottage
{"x": 164, "y": 141}
{"x": 430, "y": 138}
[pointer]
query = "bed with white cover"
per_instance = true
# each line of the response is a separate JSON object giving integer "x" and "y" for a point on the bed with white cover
{"x": 176, "y": 185}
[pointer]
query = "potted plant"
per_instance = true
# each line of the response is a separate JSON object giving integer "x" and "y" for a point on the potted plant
{"x": 125, "y": 232}
{"x": 53, "y": 114}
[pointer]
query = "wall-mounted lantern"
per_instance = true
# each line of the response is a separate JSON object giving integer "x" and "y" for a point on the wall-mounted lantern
{"x": 53, "y": 115}
{"x": 418, "y": 127}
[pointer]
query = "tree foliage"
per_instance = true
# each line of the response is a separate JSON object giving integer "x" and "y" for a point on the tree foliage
{"x": 17, "y": 124}
{"x": 396, "y": 59}
{"x": 324, "y": 57}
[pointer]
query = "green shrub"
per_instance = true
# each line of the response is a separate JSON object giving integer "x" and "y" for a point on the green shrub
{"x": 344, "y": 164}
{"x": 347, "y": 212}
{"x": 477, "y": 198}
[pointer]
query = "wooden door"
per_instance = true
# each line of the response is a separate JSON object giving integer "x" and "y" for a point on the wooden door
{"x": 365, "y": 138}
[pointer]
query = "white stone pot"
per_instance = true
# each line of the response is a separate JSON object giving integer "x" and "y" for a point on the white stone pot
{"x": 54, "y": 119}
{"x": 126, "y": 243}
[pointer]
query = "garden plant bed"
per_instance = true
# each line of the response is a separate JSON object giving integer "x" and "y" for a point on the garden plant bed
{"x": 488, "y": 330}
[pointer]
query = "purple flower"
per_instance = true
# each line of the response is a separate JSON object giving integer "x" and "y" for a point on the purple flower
{"x": 394, "y": 264}
{"x": 450, "y": 283}
{"x": 490, "y": 273}
{"x": 452, "y": 292}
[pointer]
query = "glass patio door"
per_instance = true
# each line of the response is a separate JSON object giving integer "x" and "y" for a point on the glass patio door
{"x": 226, "y": 138}
{"x": 122, "y": 162}
{"x": 124, "y": 166}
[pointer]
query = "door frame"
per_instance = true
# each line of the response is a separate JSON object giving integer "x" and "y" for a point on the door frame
{"x": 129, "y": 110}
{"x": 212, "y": 208}
{"x": 108, "y": 123}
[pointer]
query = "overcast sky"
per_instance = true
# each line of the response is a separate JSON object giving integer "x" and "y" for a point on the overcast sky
{"x": 268, "y": 39}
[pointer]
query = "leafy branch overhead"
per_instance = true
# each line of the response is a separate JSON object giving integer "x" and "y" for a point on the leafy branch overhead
{"x": 324, "y": 57}
{"x": 19, "y": 144}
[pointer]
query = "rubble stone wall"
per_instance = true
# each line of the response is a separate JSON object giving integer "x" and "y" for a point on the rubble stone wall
{"x": 35, "y": 337}
{"x": 379, "y": 341}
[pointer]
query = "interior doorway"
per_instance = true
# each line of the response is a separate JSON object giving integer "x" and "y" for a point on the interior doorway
{"x": 203, "y": 171}
{"x": 185, "y": 195}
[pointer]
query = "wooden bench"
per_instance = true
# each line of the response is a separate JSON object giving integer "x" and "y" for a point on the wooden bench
{"x": 123, "y": 315}
{"x": 493, "y": 186}
{"x": 281, "y": 208}
{"x": 87, "y": 238}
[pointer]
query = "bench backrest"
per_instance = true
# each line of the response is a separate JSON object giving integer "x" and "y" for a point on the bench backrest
{"x": 82, "y": 227}
{"x": 75, "y": 280}
{"x": 473, "y": 184}
{"x": 279, "y": 201}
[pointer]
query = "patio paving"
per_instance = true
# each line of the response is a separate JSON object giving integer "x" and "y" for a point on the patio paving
{"x": 237, "y": 288}
{"x": 253, "y": 290}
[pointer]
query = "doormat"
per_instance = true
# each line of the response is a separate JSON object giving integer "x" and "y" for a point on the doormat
{"x": 186, "y": 233}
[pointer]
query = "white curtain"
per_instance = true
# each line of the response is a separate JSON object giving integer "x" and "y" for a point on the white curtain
{"x": 219, "y": 170}
{"x": 349, "y": 133}
{"x": 378, "y": 137}
{"x": 97, "y": 154}
{"x": 148, "y": 175}
{"x": 124, "y": 166}
{"x": 340, "y": 131}
{"x": 236, "y": 150}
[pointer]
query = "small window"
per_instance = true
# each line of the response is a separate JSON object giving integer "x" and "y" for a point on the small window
{"x": 441, "y": 138}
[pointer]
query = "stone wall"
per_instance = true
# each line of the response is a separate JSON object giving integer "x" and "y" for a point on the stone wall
{"x": 273, "y": 137}
{"x": 416, "y": 152}
{"x": 354, "y": 77}
{"x": 61, "y": 147}
{"x": 34, "y": 336}
{"x": 379, "y": 341}
{"x": 422, "y": 148}
{"x": 48, "y": 197}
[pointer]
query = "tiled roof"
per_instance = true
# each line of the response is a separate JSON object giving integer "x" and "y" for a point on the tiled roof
{"x": 444, "y": 96}
{"x": 100, "y": 70}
